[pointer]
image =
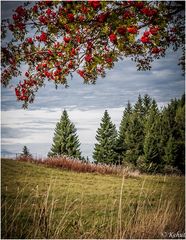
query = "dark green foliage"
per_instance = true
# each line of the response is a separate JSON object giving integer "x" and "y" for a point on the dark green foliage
{"x": 26, "y": 152}
{"x": 121, "y": 147}
{"x": 147, "y": 102}
{"x": 134, "y": 138}
{"x": 138, "y": 107}
{"x": 151, "y": 139}
{"x": 104, "y": 151}
{"x": 65, "y": 141}
{"x": 174, "y": 151}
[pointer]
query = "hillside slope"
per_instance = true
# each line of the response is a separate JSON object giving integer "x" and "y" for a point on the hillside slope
{"x": 40, "y": 202}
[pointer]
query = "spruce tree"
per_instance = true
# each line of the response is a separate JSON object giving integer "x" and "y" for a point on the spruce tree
{"x": 173, "y": 134}
{"x": 134, "y": 135}
{"x": 121, "y": 142}
{"x": 152, "y": 139}
{"x": 25, "y": 152}
{"x": 138, "y": 107}
{"x": 65, "y": 141}
{"x": 147, "y": 101}
{"x": 104, "y": 150}
{"x": 134, "y": 138}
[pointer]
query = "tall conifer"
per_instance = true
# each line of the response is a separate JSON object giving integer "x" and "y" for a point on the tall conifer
{"x": 65, "y": 141}
{"x": 152, "y": 138}
{"x": 104, "y": 151}
{"x": 121, "y": 141}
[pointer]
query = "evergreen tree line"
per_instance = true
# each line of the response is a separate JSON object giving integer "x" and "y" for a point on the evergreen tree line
{"x": 149, "y": 139}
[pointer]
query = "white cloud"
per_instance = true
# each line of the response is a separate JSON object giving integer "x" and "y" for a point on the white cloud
{"x": 38, "y": 125}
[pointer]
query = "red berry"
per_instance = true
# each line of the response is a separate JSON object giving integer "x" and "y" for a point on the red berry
{"x": 81, "y": 18}
{"x": 60, "y": 54}
{"x": 113, "y": 37}
{"x": 102, "y": 17}
{"x": 70, "y": 65}
{"x": 149, "y": 12}
{"x": 50, "y": 52}
{"x": 81, "y": 73}
{"x": 95, "y": 4}
{"x": 139, "y": 4}
{"x": 43, "y": 19}
{"x": 146, "y": 34}
{"x": 48, "y": 11}
{"x": 132, "y": 30}
{"x": 17, "y": 92}
{"x": 154, "y": 30}
{"x": 73, "y": 51}
{"x": 47, "y": 74}
{"x": 29, "y": 40}
{"x": 16, "y": 17}
{"x": 145, "y": 39}
{"x": 88, "y": 58}
{"x": 27, "y": 74}
{"x": 127, "y": 14}
{"x": 109, "y": 60}
{"x": 21, "y": 11}
{"x": 70, "y": 17}
{"x": 43, "y": 37}
{"x": 67, "y": 39}
{"x": 35, "y": 8}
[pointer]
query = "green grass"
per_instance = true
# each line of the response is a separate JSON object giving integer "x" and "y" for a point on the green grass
{"x": 41, "y": 202}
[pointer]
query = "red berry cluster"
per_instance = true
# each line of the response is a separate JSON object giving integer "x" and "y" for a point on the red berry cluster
{"x": 147, "y": 34}
{"x": 95, "y": 4}
{"x": 19, "y": 19}
{"x": 149, "y": 11}
{"x": 22, "y": 90}
{"x": 88, "y": 35}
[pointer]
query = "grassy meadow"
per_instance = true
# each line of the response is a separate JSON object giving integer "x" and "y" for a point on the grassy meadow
{"x": 43, "y": 202}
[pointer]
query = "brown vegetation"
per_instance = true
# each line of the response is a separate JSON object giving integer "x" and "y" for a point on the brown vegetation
{"x": 65, "y": 162}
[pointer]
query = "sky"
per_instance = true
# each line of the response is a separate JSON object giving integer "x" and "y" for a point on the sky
{"x": 85, "y": 104}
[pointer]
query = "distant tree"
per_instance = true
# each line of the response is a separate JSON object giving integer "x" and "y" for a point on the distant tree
{"x": 25, "y": 152}
{"x": 104, "y": 151}
{"x": 121, "y": 141}
{"x": 65, "y": 141}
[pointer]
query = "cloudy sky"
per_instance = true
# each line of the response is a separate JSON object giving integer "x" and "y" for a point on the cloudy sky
{"x": 85, "y": 104}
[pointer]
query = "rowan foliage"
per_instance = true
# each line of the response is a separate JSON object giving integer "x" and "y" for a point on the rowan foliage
{"x": 54, "y": 39}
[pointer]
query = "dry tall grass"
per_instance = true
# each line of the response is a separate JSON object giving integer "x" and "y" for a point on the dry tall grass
{"x": 41, "y": 221}
{"x": 65, "y": 162}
